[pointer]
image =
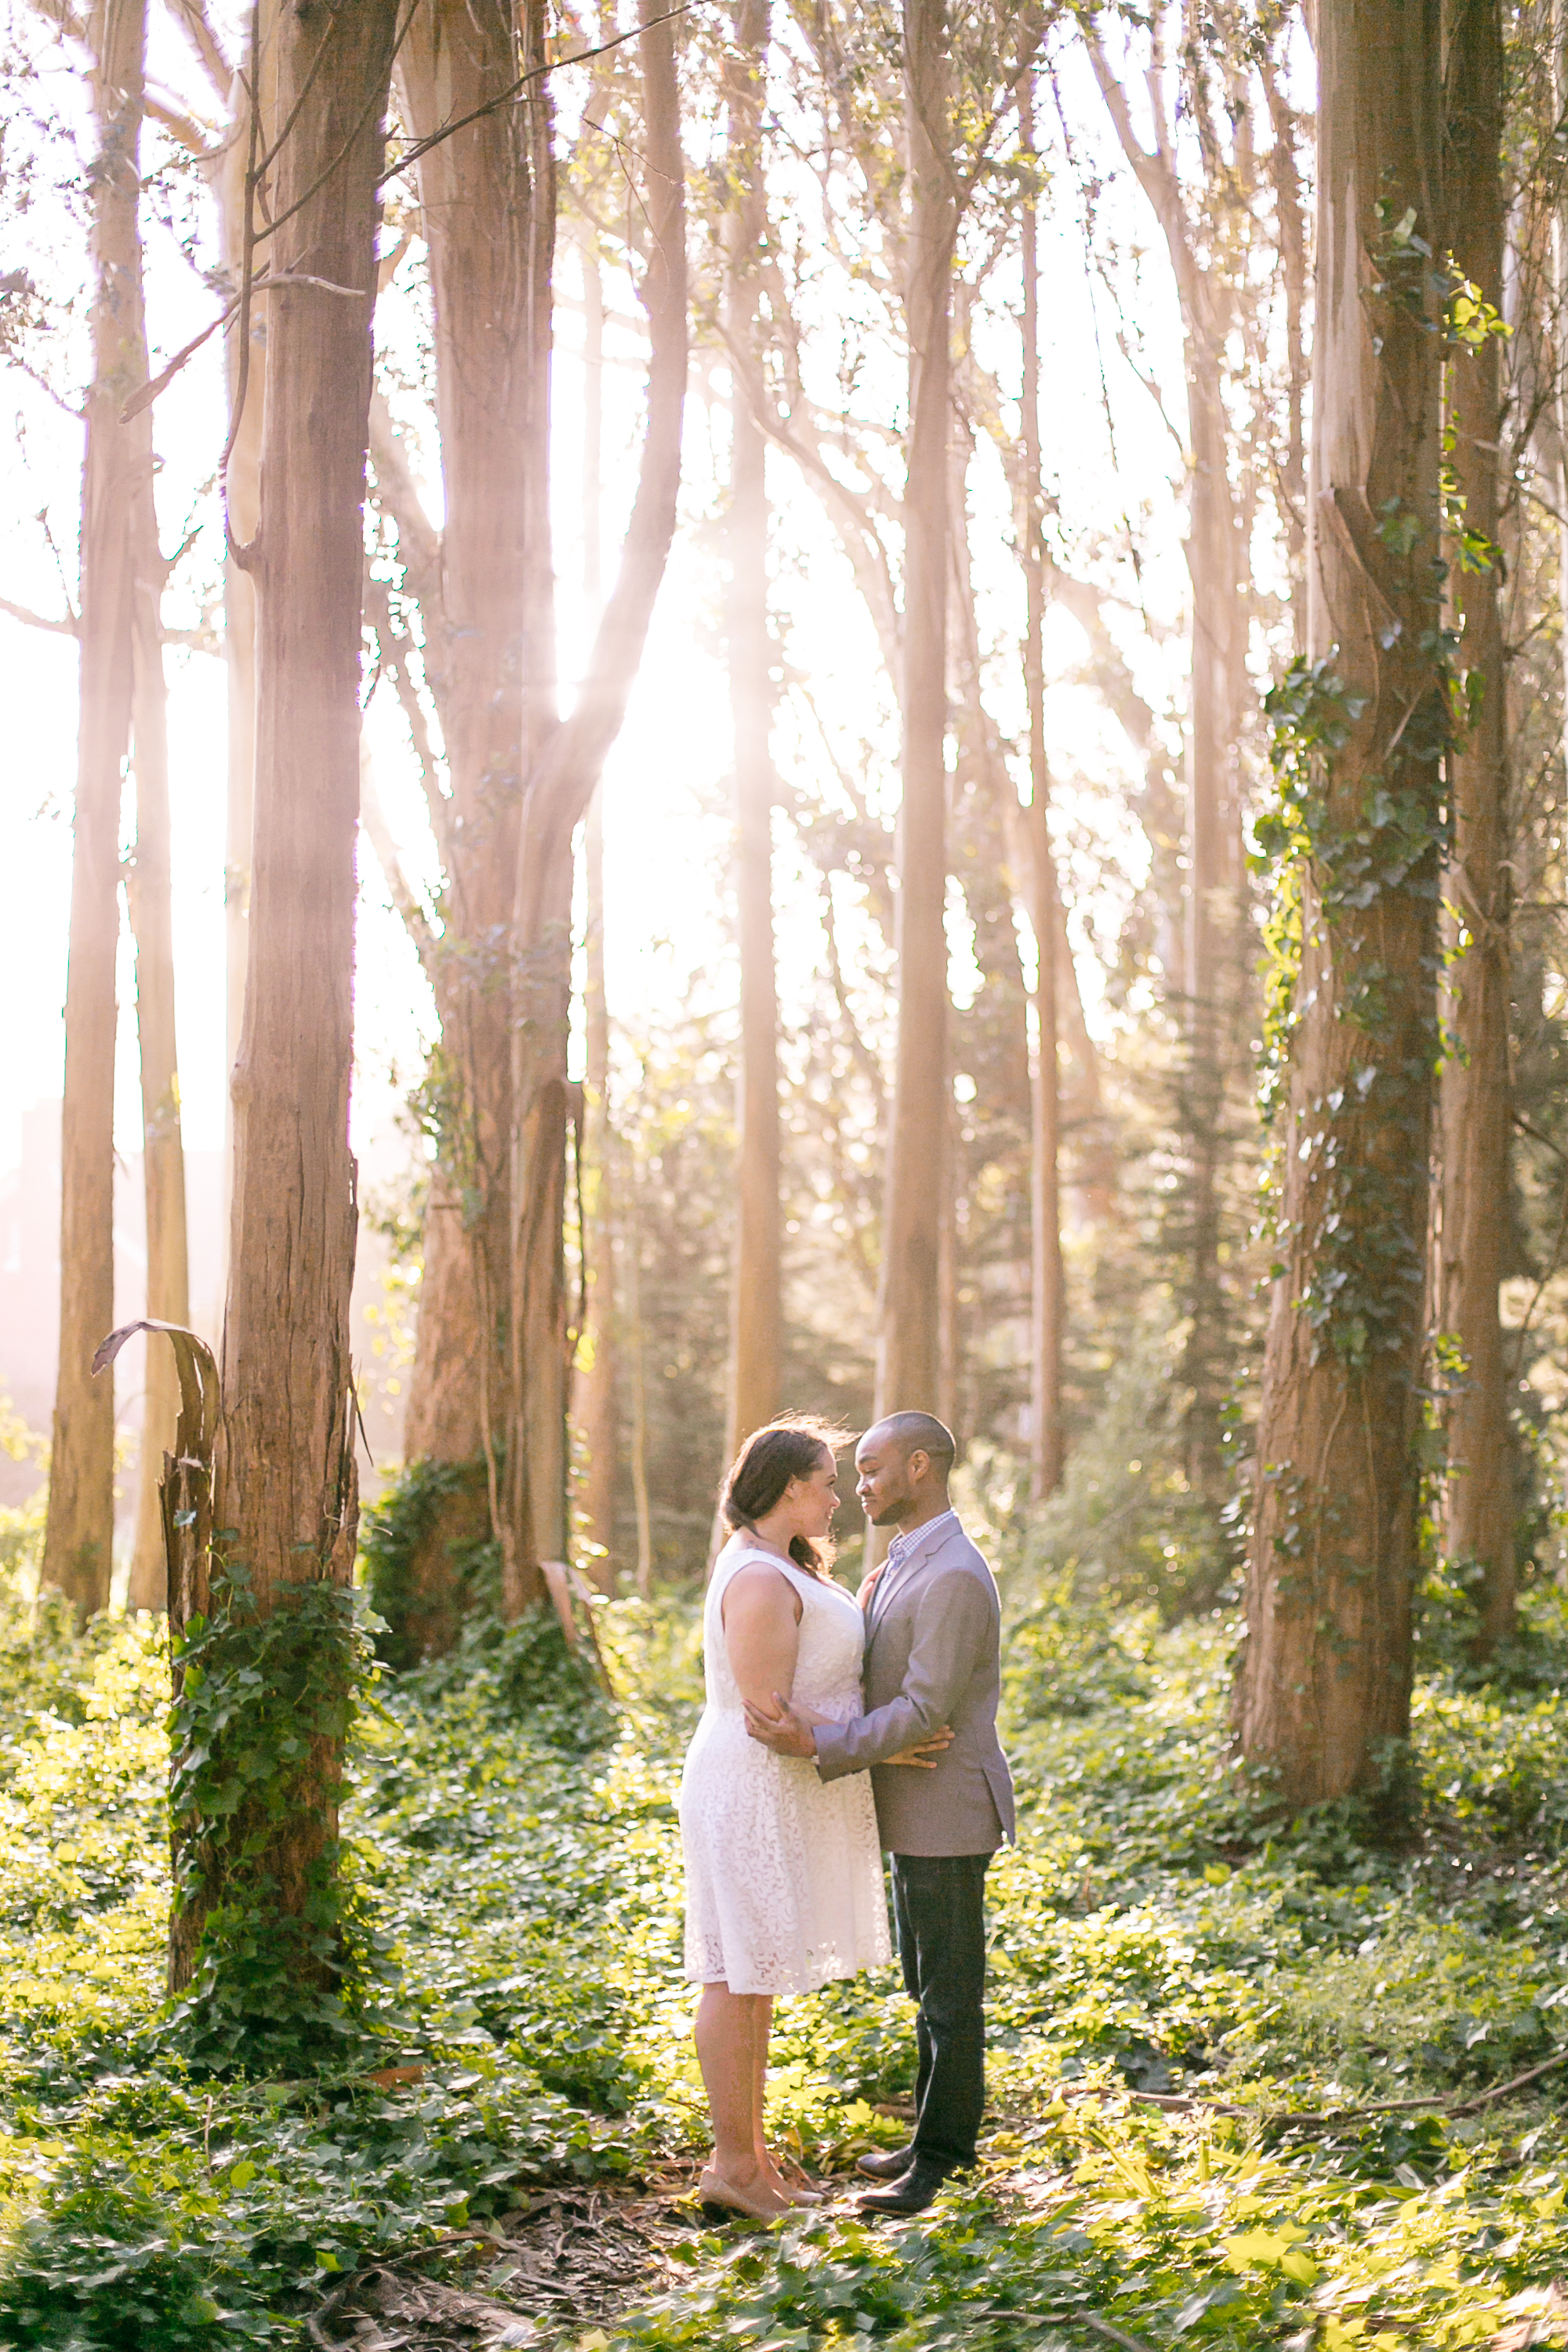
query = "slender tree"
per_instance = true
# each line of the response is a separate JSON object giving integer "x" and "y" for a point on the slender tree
{"x": 80, "y": 1537}
{"x": 242, "y": 490}
{"x": 908, "y": 1332}
{"x": 1324, "y": 1683}
{"x": 1048, "y": 1298}
{"x": 598, "y": 1379}
{"x": 286, "y": 1490}
{"x": 1475, "y": 1083}
{"x": 1201, "y": 240}
{"x": 487, "y": 212}
{"x": 756, "y": 1304}
{"x": 564, "y": 759}
{"x": 149, "y": 898}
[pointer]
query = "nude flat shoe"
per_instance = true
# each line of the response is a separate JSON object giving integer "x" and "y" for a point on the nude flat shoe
{"x": 732, "y": 2199}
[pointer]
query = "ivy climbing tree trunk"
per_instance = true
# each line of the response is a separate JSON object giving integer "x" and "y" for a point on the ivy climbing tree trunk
{"x": 756, "y": 1303}
{"x": 79, "y": 1541}
{"x": 1324, "y": 1682}
{"x": 286, "y": 1494}
{"x": 909, "y": 1368}
{"x": 1475, "y": 1084}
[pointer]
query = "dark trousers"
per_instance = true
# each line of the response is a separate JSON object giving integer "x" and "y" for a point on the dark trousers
{"x": 939, "y": 1907}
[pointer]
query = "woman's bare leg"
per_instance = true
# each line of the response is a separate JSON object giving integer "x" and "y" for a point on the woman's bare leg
{"x": 727, "y": 2045}
{"x": 762, "y": 2032}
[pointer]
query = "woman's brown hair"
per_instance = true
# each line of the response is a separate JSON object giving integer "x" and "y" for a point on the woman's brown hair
{"x": 791, "y": 1447}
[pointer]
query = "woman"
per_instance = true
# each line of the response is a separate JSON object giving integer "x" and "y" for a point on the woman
{"x": 783, "y": 1873}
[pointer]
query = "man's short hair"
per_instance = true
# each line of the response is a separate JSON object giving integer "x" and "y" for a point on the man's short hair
{"x": 920, "y": 1432}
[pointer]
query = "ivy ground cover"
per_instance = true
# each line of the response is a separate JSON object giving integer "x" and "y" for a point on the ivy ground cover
{"x": 1319, "y": 2012}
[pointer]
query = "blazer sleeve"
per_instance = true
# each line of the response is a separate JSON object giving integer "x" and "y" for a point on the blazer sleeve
{"x": 953, "y": 1629}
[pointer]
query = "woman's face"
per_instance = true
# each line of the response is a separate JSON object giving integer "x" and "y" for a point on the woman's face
{"x": 815, "y": 1500}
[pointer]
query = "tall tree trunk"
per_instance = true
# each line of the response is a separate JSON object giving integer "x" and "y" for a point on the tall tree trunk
{"x": 1324, "y": 1681}
{"x": 485, "y": 212}
{"x": 1048, "y": 1293}
{"x": 150, "y": 900}
{"x": 242, "y": 487}
{"x": 600, "y": 1408}
{"x": 909, "y": 1366}
{"x": 1217, "y": 564}
{"x": 756, "y": 1303}
{"x": 1475, "y": 1084}
{"x": 78, "y": 1542}
{"x": 600, "y": 1386}
{"x": 1291, "y": 236}
{"x": 1560, "y": 336}
{"x": 285, "y": 1488}
{"x": 564, "y": 762}
{"x": 638, "y": 1351}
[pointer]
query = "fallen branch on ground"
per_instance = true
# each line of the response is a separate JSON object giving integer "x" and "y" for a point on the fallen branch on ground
{"x": 1176, "y": 2104}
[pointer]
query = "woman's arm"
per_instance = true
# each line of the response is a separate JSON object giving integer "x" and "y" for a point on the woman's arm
{"x": 761, "y": 1631}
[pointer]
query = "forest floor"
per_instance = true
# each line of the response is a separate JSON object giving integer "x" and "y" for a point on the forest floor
{"x": 1324, "y": 2013}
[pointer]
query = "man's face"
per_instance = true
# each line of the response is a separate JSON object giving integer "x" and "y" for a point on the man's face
{"x": 885, "y": 1478}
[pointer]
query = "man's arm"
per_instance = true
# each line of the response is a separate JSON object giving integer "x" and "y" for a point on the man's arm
{"x": 953, "y": 1629}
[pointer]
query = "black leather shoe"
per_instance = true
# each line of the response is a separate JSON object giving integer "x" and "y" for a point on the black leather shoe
{"x": 911, "y": 2193}
{"x": 888, "y": 2164}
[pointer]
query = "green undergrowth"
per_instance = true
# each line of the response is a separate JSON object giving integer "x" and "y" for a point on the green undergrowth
{"x": 512, "y": 1843}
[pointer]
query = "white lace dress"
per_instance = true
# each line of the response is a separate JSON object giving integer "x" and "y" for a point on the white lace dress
{"x": 784, "y": 1872}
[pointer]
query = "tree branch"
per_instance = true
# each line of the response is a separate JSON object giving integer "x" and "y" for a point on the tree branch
{"x": 564, "y": 779}
{"x": 196, "y": 25}
{"x": 419, "y": 544}
{"x": 70, "y": 626}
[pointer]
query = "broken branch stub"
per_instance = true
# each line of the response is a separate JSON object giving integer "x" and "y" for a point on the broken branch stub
{"x": 185, "y": 1491}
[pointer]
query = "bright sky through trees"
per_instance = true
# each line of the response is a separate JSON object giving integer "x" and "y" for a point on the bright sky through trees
{"x": 665, "y": 780}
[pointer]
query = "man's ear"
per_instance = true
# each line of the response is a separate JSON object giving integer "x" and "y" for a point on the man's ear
{"x": 918, "y": 1454}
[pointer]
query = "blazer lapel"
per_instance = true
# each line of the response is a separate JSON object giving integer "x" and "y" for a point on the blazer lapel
{"x": 887, "y": 1586}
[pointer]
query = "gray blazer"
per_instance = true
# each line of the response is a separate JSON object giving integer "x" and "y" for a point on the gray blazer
{"x": 933, "y": 1656}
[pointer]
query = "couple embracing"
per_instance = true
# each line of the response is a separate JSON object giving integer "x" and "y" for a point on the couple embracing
{"x": 836, "y": 1726}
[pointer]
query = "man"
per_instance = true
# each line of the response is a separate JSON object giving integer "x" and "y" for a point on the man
{"x": 932, "y": 1660}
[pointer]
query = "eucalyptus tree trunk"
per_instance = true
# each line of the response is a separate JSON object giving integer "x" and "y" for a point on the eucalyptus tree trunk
{"x": 79, "y": 1541}
{"x": 488, "y": 222}
{"x": 599, "y": 1381}
{"x": 563, "y": 760}
{"x": 1559, "y": 92}
{"x": 909, "y": 1370}
{"x": 1474, "y": 1082}
{"x": 286, "y": 1505}
{"x": 756, "y": 1302}
{"x": 1290, "y": 235}
{"x": 242, "y": 485}
{"x": 149, "y": 895}
{"x": 1217, "y": 565}
{"x": 1324, "y": 1681}
{"x": 1048, "y": 1290}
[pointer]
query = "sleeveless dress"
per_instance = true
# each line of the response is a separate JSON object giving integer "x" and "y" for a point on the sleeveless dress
{"x": 784, "y": 1872}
